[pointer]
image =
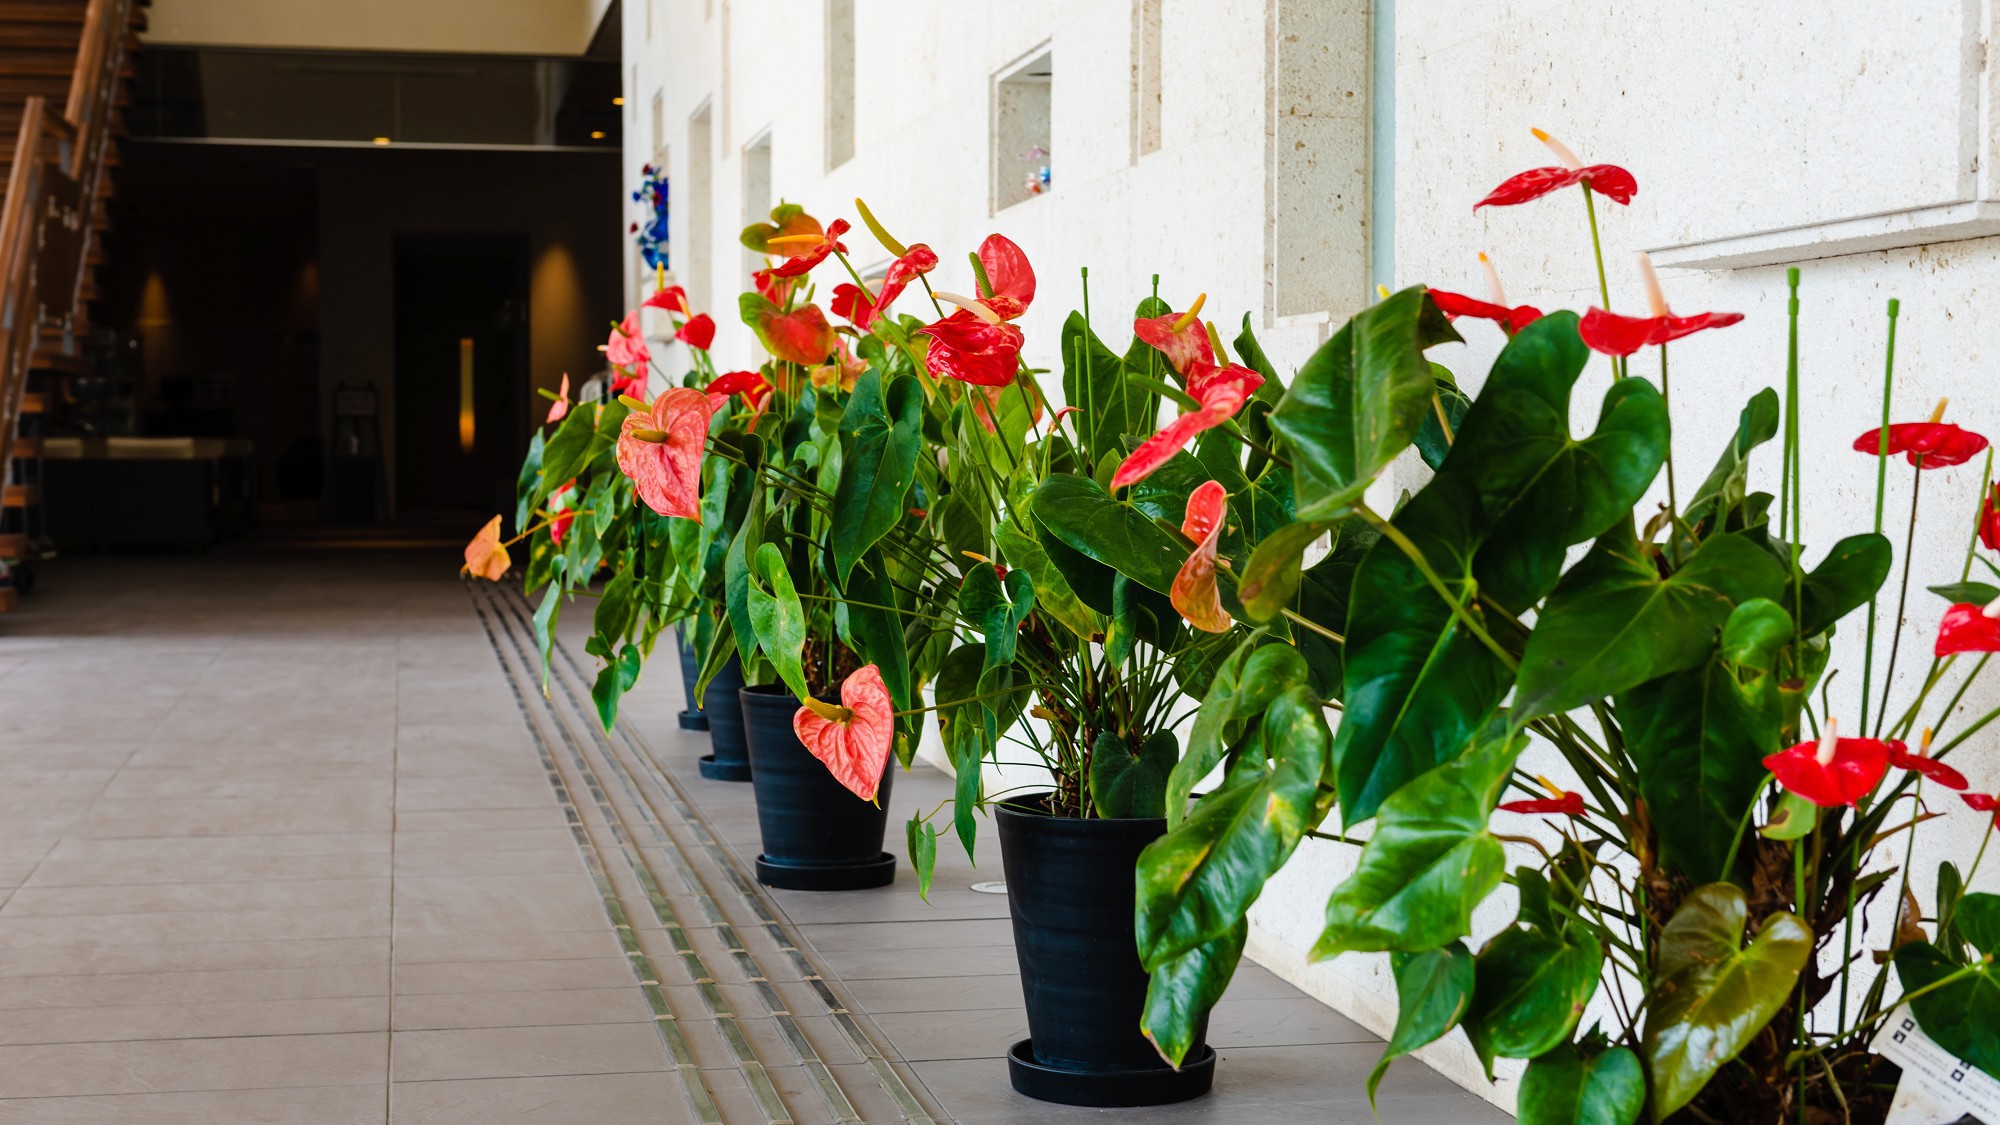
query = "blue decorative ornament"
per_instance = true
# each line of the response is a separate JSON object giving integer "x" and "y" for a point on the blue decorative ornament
{"x": 650, "y": 230}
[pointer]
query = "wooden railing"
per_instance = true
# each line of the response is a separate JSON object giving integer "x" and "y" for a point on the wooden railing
{"x": 52, "y": 189}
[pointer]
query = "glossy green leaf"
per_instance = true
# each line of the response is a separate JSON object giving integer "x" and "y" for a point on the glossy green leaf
{"x": 1271, "y": 578}
{"x": 1950, "y": 892}
{"x": 873, "y": 626}
{"x": 778, "y": 618}
{"x": 922, "y": 841}
{"x": 545, "y": 626}
{"x": 1245, "y": 684}
{"x": 997, "y": 609}
{"x": 1433, "y": 440}
{"x": 1963, "y": 1015}
{"x": 1429, "y": 862}
{"x": 613, "y": 681}
{"x": 1851, "y": 573}
{"x": 1723, "y": 490}
{"x": 1081, "y": 514}
{"x": 1960, "y": 593}
{"x": 1712, "y": 994}
{"x": 1794, "y": 820}
{"x": 1125, "y": 784}
{"x": 570, "y": 447}
{"x": 1197, "y": 881}
{"x": 1613, "y": 623}
{"x": 1023, "y": 550}
{"x": 1108, "y": 407}
{"x": 526, "y": 485}
{"x": 1252, "y": 354}
{"x": 1978, "y": 918}
{"x": 1184, "y": 988}
{"x": 881, "y": 433}
{"x": 1433, "y": 991}
{"x": 1699, "y": 738}
{"x": 1564, "y": 1087}
{"x": 1323, "y": 598}
{"x": 1359, "y": 400}
{"x": 1532, "y": 989}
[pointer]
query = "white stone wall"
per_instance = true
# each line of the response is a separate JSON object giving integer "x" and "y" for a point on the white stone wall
{"x": 1855, "y": 140}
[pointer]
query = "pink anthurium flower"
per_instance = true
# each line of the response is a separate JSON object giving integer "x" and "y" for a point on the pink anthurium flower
{"x": 627, "y": 345}
{"x": 808, "y": 247}
{"x": 853, "y": 739}
{"x": 1608, "y": 180}
{"x": 486, "y": 556}
{"x": 1982, "y": 802}
{"x": 862, "y": 309}
{"x": 1221, "y": 391}
{"x": 801, "y": 336}
{"x": 1832, "y": 771}
{"x": 672, "y": 298}
{"x": 1194, "y": 591}
{"x": 1181, "y": 337}
{"x": 1559, "y": 802}
{"x": 1612, "y": 334}
{"x": 698, "y": 332}
{"x": 976, "y": 344}
{"x": 660, "y": 449}
{"x": 560, "y": 407}
{"x": 1935, "y": 444}
{"x": 1921, "y": 762}
{"x": 1969, "y": 628}
{"x": 1510, "y": 319}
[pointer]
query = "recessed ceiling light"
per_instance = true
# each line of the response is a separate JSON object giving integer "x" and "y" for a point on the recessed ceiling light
{"x": 381, "y": 140}
{"x": 597, "y": 134}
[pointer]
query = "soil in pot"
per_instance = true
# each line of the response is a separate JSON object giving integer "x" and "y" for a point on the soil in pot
{"x": 731, "y": 760}
{"x": 691, "y": 718}
{"x": 1070, "y": 890}
{"x": 817, "y": 835}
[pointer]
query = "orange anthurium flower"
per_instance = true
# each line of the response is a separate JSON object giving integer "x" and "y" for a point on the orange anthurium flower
{"x": 840, "y": 370}
{"x": 660, "y": 449}
{"x": 560, "y": 406}
{"x": 1181, "y": 337}
{"x": 855, "y": 747}
{"x": 807, "y": 248}
{"x": 484, "y": 556}
{"x": 1969, "y": 628}
{"x": 1221, "y": 391}
{"x": 1612, "y": 334}
{"x": 1609, "y": 180}
{"x": 1194, "y": 591}
{"x": 1832, "y": 771}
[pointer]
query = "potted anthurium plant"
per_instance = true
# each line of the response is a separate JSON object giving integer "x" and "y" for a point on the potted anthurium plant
{"x": 1693, "y": 941}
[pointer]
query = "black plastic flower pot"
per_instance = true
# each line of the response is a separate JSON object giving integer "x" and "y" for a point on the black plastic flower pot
{"x": 818, "y": 836}
{"x": 731, "y": 760}
{"x": 691, "y": 718}
{"x": 1070, "y": 890}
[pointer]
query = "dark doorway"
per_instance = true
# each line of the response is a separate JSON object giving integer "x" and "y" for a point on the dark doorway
{"x": 460, "y": 298}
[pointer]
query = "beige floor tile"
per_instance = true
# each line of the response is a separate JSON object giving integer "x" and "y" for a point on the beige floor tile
{"x": 96, "y": 957}
{"x": 600, "y": 1099}
{"x": 516, "y": 1052}
{"x": 620, "y": 1003}
{"x": 54, "y": 1070}
{"x": 320, "y": 1105}
{"x": 193, "y": 986}
{"x": 110, "y": 1023}
{"x": 176, "y": 897}
{"x": 509, "y": 976}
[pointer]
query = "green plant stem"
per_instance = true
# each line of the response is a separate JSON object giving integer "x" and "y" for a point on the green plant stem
{"x": 1315, "y": 626}
{"x": 1881, "y": 488}
{"x": 1985, "y": 482}
{"x": 1416, "y": 556}
{"x": 1603, "y": 282}
{"x": 1902, "y": 598}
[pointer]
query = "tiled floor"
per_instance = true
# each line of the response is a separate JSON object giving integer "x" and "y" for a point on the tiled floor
{"x": 281, "y": 842}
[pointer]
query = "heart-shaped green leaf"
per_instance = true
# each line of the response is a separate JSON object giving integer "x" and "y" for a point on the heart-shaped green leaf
{"x": 1532, "y": 989}
{"x": 880, "y": 435}
{"x": 1125, "y": 784}
{"x": 1023, "y": 550}
{"x": 1722, "y": 492}
{"x": 1962, "y": 1014}
{"x": 778, "y": 618}
{"x": 1711, "y": 994}
{"x": 1564, "y": 1087}
{"x": 1184, "y": 988}
{"x": 1430, "y": 861}
{"x": 1433, "y": 990}
{"x": 997, "y": 609}
{"x": 1085, "y": 517}
{"x": 1850, "y": 574}
{"x": 1246, "y": 683}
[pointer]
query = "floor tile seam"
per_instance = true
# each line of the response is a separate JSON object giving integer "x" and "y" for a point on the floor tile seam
{"x": 204, "y": 1038}
{"x": 202, "y": 882}
{"x": 395, "y": 822}
{"x": 768, "y": 914}
{"x": 750, "y": 1067}
{"x": 693, "y": 1086}
{"x": 169, "y": 1093}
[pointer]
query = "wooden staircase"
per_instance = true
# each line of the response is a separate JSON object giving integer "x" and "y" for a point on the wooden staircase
{"x": 64, "y": 65}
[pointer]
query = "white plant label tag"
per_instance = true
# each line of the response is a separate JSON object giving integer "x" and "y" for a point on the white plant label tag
{"x": 1937, "y": 1088}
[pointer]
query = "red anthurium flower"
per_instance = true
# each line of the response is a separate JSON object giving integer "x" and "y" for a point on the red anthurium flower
{"x": 1981, "y": 802}
{"x": 755, "y": 389}
{"x": 1935, "y": 444}
{"x": 560, "y": 406}
{"x": 1832, "y": 771}
{"x": 773, "y": 288}
{"x": 660, "y": 449}
{"x": 1511, "y": 320}
{"x": 486, "y": 556}
{"x": 627, "y": 345}
{"x": 1008, "y": 271}
{"x": 855, "y": 747}
{"x": 1989, "y": 520}
{"x": 862, "y": 309}
{"x": 1194, "y": 592}
{"x": 971, "y": 348}
{"x": 673, "y": 299}
{"x": 1612, "y": 334}
{"x": 1559, "y": 802}
{"x": 698, "y": 332}
{"x": 807, "y": 248}
{"x": 801, "y": 336}
{"x": 1969, "y": 628}
{"x": 1921, "y": 762}
{"x": 1181, "y": 337}
{"x": 1609, "y": 180}
{"x": 1221, "y": 391}
{"x": 560, "y": 514}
